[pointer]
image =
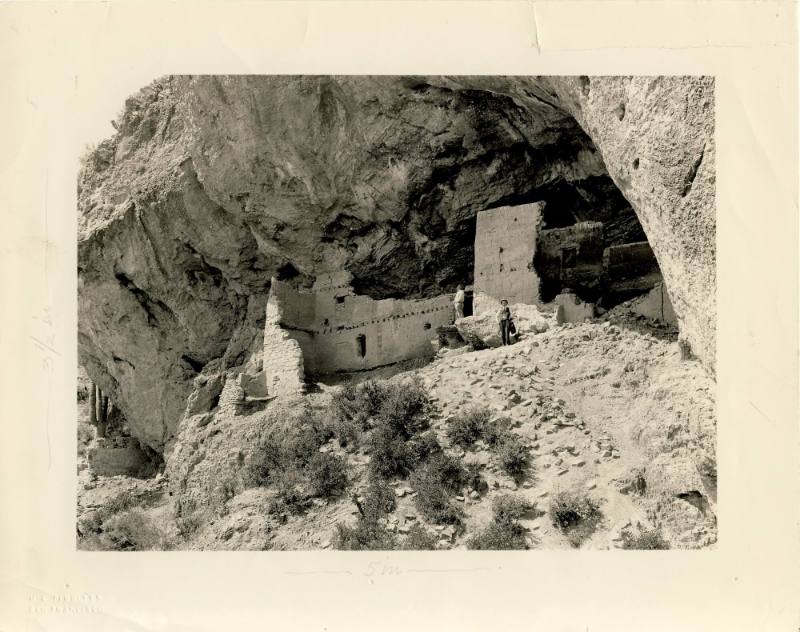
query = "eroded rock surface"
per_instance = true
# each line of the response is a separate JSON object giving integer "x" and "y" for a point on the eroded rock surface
{"x": 214, "y": 184}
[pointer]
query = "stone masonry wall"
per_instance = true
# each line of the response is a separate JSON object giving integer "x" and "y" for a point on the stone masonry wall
{"x": 569, "y": 257}
{"x": 393, "y": 330}
{"x": 283, "y": 357}
{"x": 326, "y": 326}
{"x": 631, "y": 267}
{"x": 505, "y": 244}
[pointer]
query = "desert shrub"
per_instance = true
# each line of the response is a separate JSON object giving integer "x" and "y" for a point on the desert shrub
{"x": 389, "y": 454}
{"x": 418, "y": 539}
{"x": 343, "y": 402}
{"x": 304, "y": 441}
{"x": 85, "y": 434}
{"x": 188, "y": 524}
{"x": 499, "y": 536}
{"x": 513, "y": 457}
{"x": 266, "y": 459}
{"x": 472, "y": 339}
{"x": 497, "y": 431}
{"x": 134, "y": 530}
{"x": 117, "y": 504}
{"x": 468, "y": 426}
{"x": 509, "y": 508}
{"x": 379, "y": 499}
{"x": 396, "y": 410}
{"x": 292, "y": 495}
{"x": 366, "y": 535}
{"x": 347, "y": 432}
{"x": 421, "y": 448}
{"x": 372, "y": 395}
{"x": 404, "y": 410}
{"x": 354, "y": 405}
{"x": 569, "y": 508}
{"x": 435, "y": 482}
{"x": 291, "y": 449}
{"x": 327, "y": 475}
{"x": 220, "y": 492}
{"x": 646, "y": 540}
{"x": 449, "y": 471}
{"x": 575, "y": 514}
{"x": 504, "y": 531}
{"x": 473, "y": 478}
{"x": 396, "y": 444}
{"x": 420, "y": 362}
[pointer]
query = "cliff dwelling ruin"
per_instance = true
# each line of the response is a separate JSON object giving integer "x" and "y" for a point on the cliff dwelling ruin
{"x": 255, "y": 250}
{"x": 395, "y": 180}
{"x": 330, "y": 329}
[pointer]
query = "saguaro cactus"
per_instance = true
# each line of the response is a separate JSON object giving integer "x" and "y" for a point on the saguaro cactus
{"x": 98, "y": 401}
{"x": 102, "y": 409}
{"x": 93, "y": 404}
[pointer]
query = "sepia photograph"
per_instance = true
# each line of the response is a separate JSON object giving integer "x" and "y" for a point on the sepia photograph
{"x": 400, "y": 313}
{"x": 336, "y": 315}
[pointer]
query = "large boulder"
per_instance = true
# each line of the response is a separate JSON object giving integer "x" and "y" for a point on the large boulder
{"x": 528, "y": 320}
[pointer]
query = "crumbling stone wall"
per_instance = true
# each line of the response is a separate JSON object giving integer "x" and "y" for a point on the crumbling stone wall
{"x": 656, "y": 305}
{"x": 569, "y": 257}
{"x": 571, "y": 309}
{"x": 332, "y": 329}
{"x": 631, "y": 268}
{"x": 505, "y": 244}
{"x": 121, "y": 456}
{"x": 283, "y": 358}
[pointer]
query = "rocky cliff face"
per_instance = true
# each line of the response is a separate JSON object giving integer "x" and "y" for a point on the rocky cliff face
{"x": 656, "y": 135}
{"x": 214, "y": 184}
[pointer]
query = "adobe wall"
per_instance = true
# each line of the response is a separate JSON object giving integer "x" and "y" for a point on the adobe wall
{"x": 117, "y": 457}
{"x": 656, "y": 305}
{"x": 631, "y": 267}
{"x": 318, "y": 332}
{"x": 571, "y": 309}
{"x": 393, "y": 330}
{"x": 571, "y": 256}
{"x": 505, "y": 244}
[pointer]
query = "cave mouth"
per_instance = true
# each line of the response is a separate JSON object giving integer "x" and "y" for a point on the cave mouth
{"x": 589, "y": 241}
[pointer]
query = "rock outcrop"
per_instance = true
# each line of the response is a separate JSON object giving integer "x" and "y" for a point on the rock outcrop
{"x": 656, "y": 135}
{"x": 214, "y": 184}
{"x": 528, "y": 321}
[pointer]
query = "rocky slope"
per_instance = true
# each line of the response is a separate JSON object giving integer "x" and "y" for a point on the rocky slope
{"x": 607, "y": 409}
{"x": 214, "y": 184}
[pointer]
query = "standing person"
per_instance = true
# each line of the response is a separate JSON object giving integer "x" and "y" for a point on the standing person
{"x": 504, "y": 319}
{"x": 458, "y": 302}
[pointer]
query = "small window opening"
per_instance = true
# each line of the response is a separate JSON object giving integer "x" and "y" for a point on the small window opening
{"x": 426, "y": 326}
{"x": 468, "y": 296}
{"x": 340, "y": 299}
{"x": 361, "y": 345}
{"x": 569, "y": 257}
